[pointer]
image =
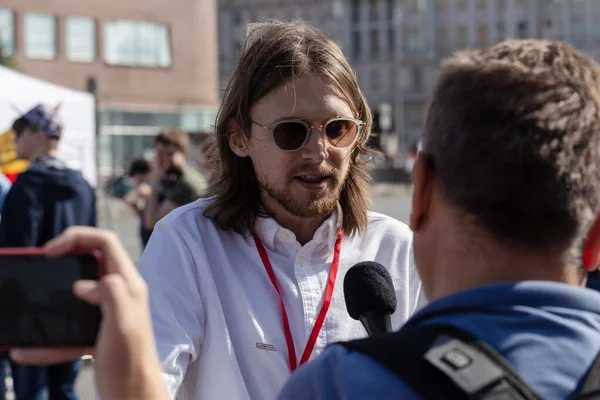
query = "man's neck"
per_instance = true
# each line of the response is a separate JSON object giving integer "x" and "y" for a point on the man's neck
{"x": 458, "y": 269}
{"x": 303, "y": 228}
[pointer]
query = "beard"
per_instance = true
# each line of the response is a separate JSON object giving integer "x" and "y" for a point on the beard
{"x": 316, "y": 205}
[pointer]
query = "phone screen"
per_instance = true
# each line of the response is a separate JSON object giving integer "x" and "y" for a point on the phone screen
{"x": 37, "y": 304}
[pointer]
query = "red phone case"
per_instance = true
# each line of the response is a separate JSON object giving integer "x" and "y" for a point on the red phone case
{"x": 39, "y": 251}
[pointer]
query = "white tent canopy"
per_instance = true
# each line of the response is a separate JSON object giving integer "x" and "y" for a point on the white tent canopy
{"x": 77, "y": 146}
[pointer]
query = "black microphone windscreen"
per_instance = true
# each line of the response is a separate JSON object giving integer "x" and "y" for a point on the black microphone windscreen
{"x": 368, "y": 287}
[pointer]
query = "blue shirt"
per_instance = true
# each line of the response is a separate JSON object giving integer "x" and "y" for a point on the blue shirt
{"x": 549, "y": 332}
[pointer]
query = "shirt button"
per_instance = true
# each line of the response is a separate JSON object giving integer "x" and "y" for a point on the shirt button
{"x": 302, "y": 261}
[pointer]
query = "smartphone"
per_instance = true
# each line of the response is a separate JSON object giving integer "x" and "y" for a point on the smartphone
{"x": 37, "y": 304}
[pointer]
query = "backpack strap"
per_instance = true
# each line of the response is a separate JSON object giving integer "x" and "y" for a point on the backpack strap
{"x": 590, "y": 389}
{"x": 441, "y": 361}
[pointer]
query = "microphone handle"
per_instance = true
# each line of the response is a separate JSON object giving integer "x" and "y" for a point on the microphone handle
{"x": 376, "y": 323}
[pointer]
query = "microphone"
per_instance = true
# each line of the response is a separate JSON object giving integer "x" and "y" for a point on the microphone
{"x": 370, "y": 296}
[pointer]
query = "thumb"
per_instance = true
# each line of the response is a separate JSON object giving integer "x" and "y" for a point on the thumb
{"x": 88, "y": 291}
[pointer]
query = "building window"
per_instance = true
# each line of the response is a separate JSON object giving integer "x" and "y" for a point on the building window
{"x": 356, "y": 48}
{"x": 501, "y": 4}
{"x": 415, "y": 5}
{"x": 415, "y": 39}
{"x": 522, "y": 31}
{"x": 501, "y": 30}
{"x": 481, "y": 5}
{"x": 443, "y": 40}
{"x": 442, "y": 5}
{"x": 462, "y": 36}
{"x": 133, "y": 43}
{"x": 7, "y": 31}
{"x": 546, "y": 31}
{"x": 374, "y": 10}
{"x": 236, "y": 18}
{"x": 40, "y": 36}
{"x": 390, "y": 9}
{"x": 375, "y": 43}
{"x": 81, "y": 39}
{"x": 391, "y": 40}
{"x": 482, "y": 36}
{"x": 337, "y": 9}
{"x": 355, "y": 10}
{"x": 461, "y": 5}
{"x": 416, "y": 78}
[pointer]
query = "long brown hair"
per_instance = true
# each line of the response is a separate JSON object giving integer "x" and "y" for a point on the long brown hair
{"x": 274, "y": 53}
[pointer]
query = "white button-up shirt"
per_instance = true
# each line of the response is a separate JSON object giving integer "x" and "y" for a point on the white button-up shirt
{"x": 217, "y": 317}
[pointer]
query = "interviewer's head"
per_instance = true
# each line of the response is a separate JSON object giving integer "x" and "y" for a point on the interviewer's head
{"x": 509, "y": 176}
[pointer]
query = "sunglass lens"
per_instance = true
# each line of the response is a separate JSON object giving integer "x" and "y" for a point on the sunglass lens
{"x": 290, "y": 135}
{"x": 341, "y": 132}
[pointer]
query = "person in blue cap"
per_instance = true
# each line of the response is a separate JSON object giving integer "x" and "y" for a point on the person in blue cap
{"x": 44, "y": 200}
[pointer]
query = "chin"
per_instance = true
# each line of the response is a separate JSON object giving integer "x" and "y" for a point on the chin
{"x": 313, "y": 206}
{"x": 316, "y": 206}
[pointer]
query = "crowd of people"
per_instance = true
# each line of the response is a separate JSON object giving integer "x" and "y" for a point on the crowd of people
{"x": 237, "y": 294}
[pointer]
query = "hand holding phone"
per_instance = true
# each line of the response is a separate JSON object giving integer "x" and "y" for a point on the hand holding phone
{"x": 126, "y": 362}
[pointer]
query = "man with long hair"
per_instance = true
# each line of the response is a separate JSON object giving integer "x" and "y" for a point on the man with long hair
{"x": 506, "y": 217}
{"x": 245, "y": 284}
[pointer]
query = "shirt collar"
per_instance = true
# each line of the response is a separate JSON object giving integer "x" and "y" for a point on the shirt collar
{"x": 274, "y": 235}
{"x": 538, "y": 294}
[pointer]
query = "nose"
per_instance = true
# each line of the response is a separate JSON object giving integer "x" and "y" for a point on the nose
{"x": 316, "y": 146}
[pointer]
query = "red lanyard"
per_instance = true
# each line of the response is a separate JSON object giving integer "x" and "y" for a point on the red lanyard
{"x": 312, "y": 340}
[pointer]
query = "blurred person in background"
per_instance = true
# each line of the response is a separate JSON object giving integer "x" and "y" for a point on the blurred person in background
{"x": 506, "y": 222}
{"x": 44, "y": 200}
{"x": 173, "y": 182}
{"x": 246, "y": 283}
{"x": 136, "y": 199}
{"x": 5, "y": 185}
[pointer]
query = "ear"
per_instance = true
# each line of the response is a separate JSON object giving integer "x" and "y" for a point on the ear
{"x": 237, "y": 139}
{"x": 591, "y": 251}
{"x": 421, "y": 198}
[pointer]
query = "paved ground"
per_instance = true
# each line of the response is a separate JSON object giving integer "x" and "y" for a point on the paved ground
{"x": 388, "y": 199}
